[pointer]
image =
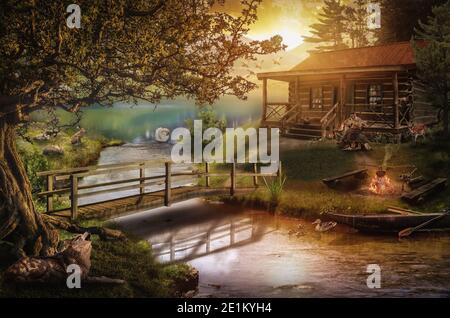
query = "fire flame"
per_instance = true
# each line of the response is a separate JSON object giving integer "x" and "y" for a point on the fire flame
{"x": 381, "y": 185}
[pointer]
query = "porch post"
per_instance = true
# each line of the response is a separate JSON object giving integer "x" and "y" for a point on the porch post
{"x": 396, "y": 104}
{"x": 264, "y": 100}
{"x": 297, "y": 106}
{"x": 342, "y": 99}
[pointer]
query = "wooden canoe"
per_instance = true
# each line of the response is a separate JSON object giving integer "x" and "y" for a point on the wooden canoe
{"x": 389, "y": 223}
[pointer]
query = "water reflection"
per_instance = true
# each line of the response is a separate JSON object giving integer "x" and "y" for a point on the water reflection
{"x": 232, "y": 233}
{"x": 247, "y": 253}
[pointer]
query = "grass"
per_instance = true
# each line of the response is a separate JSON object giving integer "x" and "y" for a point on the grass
{"x": 130, "y": 260}
{"x": 305, "y": 166}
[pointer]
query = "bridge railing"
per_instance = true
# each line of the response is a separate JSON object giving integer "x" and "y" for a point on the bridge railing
{"x": 74, "y": 190}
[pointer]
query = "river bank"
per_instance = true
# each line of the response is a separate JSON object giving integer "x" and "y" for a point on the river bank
{"x": 243, "y": 252}
{"x": 305, "y": 164}
{"x": 131, "y": 260}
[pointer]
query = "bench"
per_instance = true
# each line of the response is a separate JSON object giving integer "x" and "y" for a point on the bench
{"x": 337, "y": 179}
{"x": 419, "y": 194}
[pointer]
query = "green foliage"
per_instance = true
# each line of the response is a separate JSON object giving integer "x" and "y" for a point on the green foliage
{"x": 130, "y": 260}
{"x": 128, "y": 50}
{"x": 356, "y": 17}
{"x": 209, "y": 119}
{"x": 329, "y": 30}
{"x": 275, "y": 188}
{"x": 34, "y": 161}
{"x": 400, "y": 17}
{"x": 433, "y": 58}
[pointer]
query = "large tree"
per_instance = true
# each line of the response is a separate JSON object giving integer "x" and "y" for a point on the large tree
{"x": 400, "y": 17}
{"x": 356, "y": 26}
{"x": 328, "y": 32}
{"x": 433, "y": 59}
{"x": 125, "y": 50}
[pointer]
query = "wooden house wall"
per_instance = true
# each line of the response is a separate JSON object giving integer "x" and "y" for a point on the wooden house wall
{"x": 304, "y": 96}
{"x": 414, "y": 105}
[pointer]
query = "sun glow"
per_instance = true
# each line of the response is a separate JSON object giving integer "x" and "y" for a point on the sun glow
{"x": 290, "y": 38}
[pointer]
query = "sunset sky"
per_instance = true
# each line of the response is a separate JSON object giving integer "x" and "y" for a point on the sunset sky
{"x": 288, "y": 18}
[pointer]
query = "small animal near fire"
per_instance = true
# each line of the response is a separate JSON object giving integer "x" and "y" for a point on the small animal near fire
{"x": 417, "y": 130}
{"x": 76, "y": 138}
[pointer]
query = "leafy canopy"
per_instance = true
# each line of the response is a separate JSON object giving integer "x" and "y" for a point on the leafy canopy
{"x": 126, "y": 50}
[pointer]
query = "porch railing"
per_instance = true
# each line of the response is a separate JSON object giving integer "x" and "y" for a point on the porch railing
{"x": 277, "y": 111}
{"x": 329, "y": 121}
{"x": 379, "y": 114}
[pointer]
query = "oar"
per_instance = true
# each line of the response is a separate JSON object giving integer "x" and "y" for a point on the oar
{"x": 410, "y": 230}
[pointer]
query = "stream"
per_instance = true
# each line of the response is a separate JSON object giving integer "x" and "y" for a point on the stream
{"x": 242, "y": 252}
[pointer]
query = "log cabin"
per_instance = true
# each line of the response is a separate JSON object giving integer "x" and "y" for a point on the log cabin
{"x": 377, "y": 83}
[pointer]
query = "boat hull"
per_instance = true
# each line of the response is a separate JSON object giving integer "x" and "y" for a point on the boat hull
{"x": 389, "y": 223}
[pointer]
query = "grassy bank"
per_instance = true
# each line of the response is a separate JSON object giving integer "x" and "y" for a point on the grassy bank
{"x": 306, "y": 164}
{"x": 130, "y": 260}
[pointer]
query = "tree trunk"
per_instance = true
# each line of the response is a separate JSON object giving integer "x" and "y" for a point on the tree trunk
{"x": 445, "y": 122}
{"x": 20, "y": 223}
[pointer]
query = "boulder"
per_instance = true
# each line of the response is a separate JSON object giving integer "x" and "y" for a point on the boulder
{"x": 53, "y": 150}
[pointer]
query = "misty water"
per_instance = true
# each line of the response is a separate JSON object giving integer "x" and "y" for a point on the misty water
{"x": 246, "y": 253}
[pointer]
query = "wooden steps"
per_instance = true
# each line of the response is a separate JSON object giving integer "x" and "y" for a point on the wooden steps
{"x": 308, "y": 131}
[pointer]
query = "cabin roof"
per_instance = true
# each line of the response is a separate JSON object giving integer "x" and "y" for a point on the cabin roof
{"x": 388, "y": 57}
{"x": 394, "y": 54}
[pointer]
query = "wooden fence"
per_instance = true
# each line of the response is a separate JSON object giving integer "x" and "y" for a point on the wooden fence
{"x": 70, "y": 179}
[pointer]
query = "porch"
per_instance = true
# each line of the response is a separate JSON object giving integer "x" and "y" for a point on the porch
{"x": 319, "y": 102}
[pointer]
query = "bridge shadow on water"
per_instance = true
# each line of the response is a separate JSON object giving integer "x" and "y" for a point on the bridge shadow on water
{"x": 195, "y": 228}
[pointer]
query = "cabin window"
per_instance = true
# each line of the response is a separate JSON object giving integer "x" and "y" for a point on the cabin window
{"x": 316, "y": 98}
{"x": 375, "y": 94}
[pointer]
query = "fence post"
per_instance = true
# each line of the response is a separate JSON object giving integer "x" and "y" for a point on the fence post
{"x": 172, "y": 248}
{"x": 208, "y": 242}
{"x": 279, "y": 172}
{"x": 233, "y": 179}
{"x": 50, "y": 197}
{"x": 74, "y": 196}
{"x": 168, "y": 184}
{"x": 207, "y": 174}
{"x": 232, "y": 232}
{"x": 255, "y": 178}
{"x": 142, "y": 176}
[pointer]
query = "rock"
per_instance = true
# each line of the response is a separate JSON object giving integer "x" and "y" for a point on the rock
{"x": 187, "y": 282}
{"x": 42, "y": 138}
{"x": 190, "y": 294}
{"x": 53, "y": 150}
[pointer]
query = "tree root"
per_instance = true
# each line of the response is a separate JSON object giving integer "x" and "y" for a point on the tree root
{"x": 104, "y": 233}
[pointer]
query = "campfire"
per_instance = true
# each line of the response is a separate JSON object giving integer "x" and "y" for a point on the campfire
{"x": 381, "y": 184}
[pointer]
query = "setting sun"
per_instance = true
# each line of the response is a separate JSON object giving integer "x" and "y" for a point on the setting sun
{"x": 291, "y": 38}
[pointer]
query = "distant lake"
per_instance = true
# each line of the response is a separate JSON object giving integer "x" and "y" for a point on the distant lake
{"x": 137, "y": 123}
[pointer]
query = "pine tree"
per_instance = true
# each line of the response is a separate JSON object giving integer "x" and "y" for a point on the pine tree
{"x": 328, "y": 32}
{"x": 433, "y": 59}
{"x": 400, "y": 17}
{"x": 356, "y": 18}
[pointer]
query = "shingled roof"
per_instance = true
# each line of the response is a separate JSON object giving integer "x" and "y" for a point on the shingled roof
{"x": 395, "y": 54}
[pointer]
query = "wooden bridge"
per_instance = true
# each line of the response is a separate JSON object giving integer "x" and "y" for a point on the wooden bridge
{"x": 68, "y": 183}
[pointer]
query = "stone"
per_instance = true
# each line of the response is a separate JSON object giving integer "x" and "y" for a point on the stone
{"x": 53, "y": 150}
